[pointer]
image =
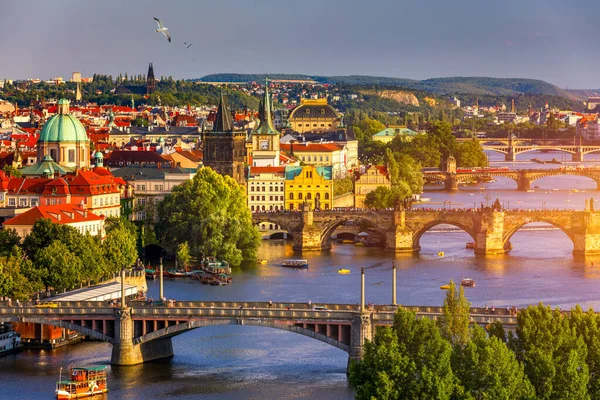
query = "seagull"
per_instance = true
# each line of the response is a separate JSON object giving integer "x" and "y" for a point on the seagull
{"x": 189, "y": 45}
{"x": 162, "y": 29}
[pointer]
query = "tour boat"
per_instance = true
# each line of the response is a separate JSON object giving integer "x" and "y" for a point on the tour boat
{"x": 220, "y": 280}
{"x": 468, "y": 282}
{"x": 343, "y": 271}
{"x": 295, "y": 263}
{"x": 214, "y": 266}
{"x": 203, "y": 277}
{"x": 10, "y": 341}
{"x": 83, "y": 382}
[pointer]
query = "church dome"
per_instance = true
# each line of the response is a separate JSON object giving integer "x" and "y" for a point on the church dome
{"x": 63, "y": 127}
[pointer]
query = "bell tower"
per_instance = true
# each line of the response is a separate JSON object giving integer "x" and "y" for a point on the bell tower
{"x": 265, "y": 138}
{"x": 150, "y": 81}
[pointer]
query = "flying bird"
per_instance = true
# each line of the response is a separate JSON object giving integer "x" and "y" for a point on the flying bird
{"x": 189, "y": 45}
{"x": 162, "y": 29}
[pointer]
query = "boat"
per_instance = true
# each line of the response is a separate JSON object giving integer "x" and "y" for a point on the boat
{"x": 347, "y": 241}
{"x": 470, "y": 245}
{"x": 151, "y": 273}
{"x": 203, "y": 277}
{"x": 359, "y": 244}
{"x": 221, "y": 280}
{"x": 10, "y": 341}
{"x": 440, "y": 254}
{"x": 214, "y": 266}
{"x": 261, "y": 261}
{"x": 173, "y": 273}
{"x": 343, "y": 271}
{"x": 291, "y": 263}
{"x": 445, "y": 287}
{"x": 467, "y": 282}
{"x": 82, "y": 382}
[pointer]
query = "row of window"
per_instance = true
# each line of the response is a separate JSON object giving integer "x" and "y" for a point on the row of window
{"x": 23, "y": 202}
{"x": 314, "y": 158}
{"x": 308, "y": 196}
{"x": 142, "y": 187}
{"x": 262, "y": 198}
{"x": 263, "y": 208}
{"x": 316, "y": 125}
{"x": 263, "y": 188}
{"x": 300, "y": 205}
{"x": 106, "y": 201}
{"x": 91, "y": 228}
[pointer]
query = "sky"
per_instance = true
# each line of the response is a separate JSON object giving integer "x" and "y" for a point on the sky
{"x": 556, "y": 41}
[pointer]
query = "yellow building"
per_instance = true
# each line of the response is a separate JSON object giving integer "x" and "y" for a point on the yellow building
{"x": 314, "y": 116}
{"x": 366, "y": 182}
{"x": 308, "y": 184}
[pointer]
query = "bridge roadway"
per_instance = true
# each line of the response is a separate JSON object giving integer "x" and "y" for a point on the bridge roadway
{"x": 140, "y": 333}
{"x": 523, "y": 177}
{"x": 401, "y": 230}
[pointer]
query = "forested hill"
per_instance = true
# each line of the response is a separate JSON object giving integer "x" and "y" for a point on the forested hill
{"x": 479, "y": 86}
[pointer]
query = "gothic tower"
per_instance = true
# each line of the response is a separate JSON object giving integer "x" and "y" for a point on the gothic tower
{"x": 150, "y": 81}
{"x": 224, "y": 147}
{"x": 265, "y": 138}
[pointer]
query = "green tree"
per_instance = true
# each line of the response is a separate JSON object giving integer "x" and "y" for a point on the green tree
{"x": 586, "y": 325}
{"x": 380, "y": 198}
{"x": 183, "y": 254}
{"x": 410, "y": 360}
{"x": 59, "y": 268}
{"x": 12, "y": 171}
{"x": 343, "y": 186}
{"x": 210, "y": 213}
{"x": 9, "y": 238}
{"x": 470, "y": 154}
{"x": 120, "y": 245}
{"x": 553, "y": 354}
{"x": 17, "y": 277}
{"x": 454, "y": 322}
{"x": 487, "y": 369}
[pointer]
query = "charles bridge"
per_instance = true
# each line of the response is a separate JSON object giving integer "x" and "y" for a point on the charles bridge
{"x": 400, "y": 230}
{"x": 523, "y": 177}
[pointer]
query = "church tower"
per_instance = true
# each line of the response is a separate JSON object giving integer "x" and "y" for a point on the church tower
{"x": 150, "y": 81}
{"x": 224, "y": 146}
{"x": 265, "y": 138}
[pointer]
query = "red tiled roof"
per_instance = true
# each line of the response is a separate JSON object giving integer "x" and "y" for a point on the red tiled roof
{"x": 87, "y": 182}
{"x": 311, "y": 147}
{"x": 267, "y": 170}
{"x": 27, "y": 185}
{"x": 59, "y": 214}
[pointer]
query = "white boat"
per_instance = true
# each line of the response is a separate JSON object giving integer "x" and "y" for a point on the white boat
{"x": 295, "y": 263}
{"x": 10, "y": 341}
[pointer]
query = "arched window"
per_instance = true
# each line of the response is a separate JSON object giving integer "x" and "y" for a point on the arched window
{"x": 308, "y": 196}
{"x": 252, "y": 208}
{"x": 326, "y": 196}
{"x": 263, "y": 208}
{"x": 291, "y": 196}
{"x": 299, "y": 196}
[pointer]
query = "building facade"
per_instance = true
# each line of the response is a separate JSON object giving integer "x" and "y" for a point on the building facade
{"x": 310, "y": 184}
{"x": 314, "y": 116}
{"x": 321, "y": 154}
{"x": 368, "y": 180}
{"x": 264, "y": 151}
{"x": 266, "y": 188}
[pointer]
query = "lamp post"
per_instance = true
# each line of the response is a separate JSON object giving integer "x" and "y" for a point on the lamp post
{"x": 160, "y": 277}
{"x": 123, "y": 305}
{"x": 362, "y": 289}
{"x": 394, "y": 283}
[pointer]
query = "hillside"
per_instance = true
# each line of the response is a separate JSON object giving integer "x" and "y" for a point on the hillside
{"x": 478, "y": 86}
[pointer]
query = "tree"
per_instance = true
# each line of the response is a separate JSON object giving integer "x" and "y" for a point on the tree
{"x": 9, "y": 238}
{"x": 59, "y": 268}
{"x": 410, "y": 360}
{"x": 586, "y": 325}
{"x": 17, "y": 277}
{"x": 454, "y": 322}
{"x": 183, "y": 254}
{"x": 119, "y": 247}
{"x": 380, "y": 198}
{"x": 210, "y": 213}
{"x": 12, "y": 171}
{"x": 487, "y": 369}
{"x": 470, "y": 154}
{"x": 553, "y": 354}
{"x": 343, "y": 186}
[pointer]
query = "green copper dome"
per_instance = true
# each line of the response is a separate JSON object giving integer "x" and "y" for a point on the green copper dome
{"x": 63, "y": 127}
{"x": 99, "y": 155}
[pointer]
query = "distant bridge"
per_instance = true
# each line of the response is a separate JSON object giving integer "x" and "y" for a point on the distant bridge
{"x": 523, "y": 177}
{"x": 401, "y": 230}
{"x": 140, "y": 333}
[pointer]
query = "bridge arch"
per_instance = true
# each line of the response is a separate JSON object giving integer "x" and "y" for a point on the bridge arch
{"x": 513, "y": 228}
{"x": 274, "y": 221}
{"x": 583, "y": 174}
{"x": 421, "y": 231}
{"x": 61, "y": 324}
{"x": 369, "y": 218}
{"x": 178, "y": 329}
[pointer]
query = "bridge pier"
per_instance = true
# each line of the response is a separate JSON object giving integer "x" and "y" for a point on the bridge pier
{"x": 489, "y": 238}
{"x": 399, "y": 238}
{"x": 510, "y": 156}
{"x": 361, "y": 330}
{"x": 578, "y": 156}
{"x": 451, "y": 182}
{"x": 309, "y": 239}
{"x": 523, "y": 183}
{"x": 125, "y": 352}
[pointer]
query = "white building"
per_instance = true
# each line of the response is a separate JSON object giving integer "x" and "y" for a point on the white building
{"x": 266, "y": 189}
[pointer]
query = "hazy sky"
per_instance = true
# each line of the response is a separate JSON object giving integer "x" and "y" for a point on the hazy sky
{"x": 557, "y": 41}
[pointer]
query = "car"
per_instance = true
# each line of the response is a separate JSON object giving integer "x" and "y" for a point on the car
{"x": 47, "y": 305}
{"x": 320, "y": 308}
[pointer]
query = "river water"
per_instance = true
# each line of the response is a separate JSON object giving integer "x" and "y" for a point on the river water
{"x": 243, "y": 362}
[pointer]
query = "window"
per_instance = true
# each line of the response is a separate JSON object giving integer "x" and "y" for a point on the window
{"x": 34, "y": 202}
{"x": 322, "y": 111}
{"x": 321, "y": 158}
{"x": 299, "y": 196}
{"x": 326, "y": 196}
{"x": 142, "y": 201}
{"x": 12, "y": 202}
{"x": 291, "y": 196}
{"x": 308, "y": 196}
{"x": 71, "y": 155}
{"x": 23, "y": 202}
{"x": 263, "y": 198}
{"x": 252, "y": 208}
{"x": 270, "y": 198}
{"x": 327, "y": 206}
{"x": 141, "y": 215}
{"x": 251, "y": 198}
{"x": 326, "y": 158}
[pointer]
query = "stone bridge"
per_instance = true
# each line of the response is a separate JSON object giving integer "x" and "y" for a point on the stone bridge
{"x": 523, "y": 177}
{"x": 140, "y": 333}
{"x": 510, "y": 150}
{"x": 401, "y": 230}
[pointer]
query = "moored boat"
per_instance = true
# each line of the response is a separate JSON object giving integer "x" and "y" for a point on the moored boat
{"x": 82, "y": 382}
{"x": 467, "y": 282}
{"x": 10, "y": 341}
{"x": 214, "y": 266}
{"x": 176, "y": 273}
{"x": 295, "y": 263}
{"x": 151, "y": 273}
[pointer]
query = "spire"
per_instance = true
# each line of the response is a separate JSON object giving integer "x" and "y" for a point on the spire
{"x": 132, "y": 102}
{"x": 223, "y": 120}
{"x": 150, "y": 81}
{"x": 265, "y": 126}
{"x": 78, "y": 92}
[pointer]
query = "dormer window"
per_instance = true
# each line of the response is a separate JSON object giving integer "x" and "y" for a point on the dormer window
{"x": 307, "y": 111}
{"x": 323, "y": 111}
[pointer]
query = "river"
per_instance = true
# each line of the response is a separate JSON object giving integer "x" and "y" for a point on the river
{"x": 242, "y": 362}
